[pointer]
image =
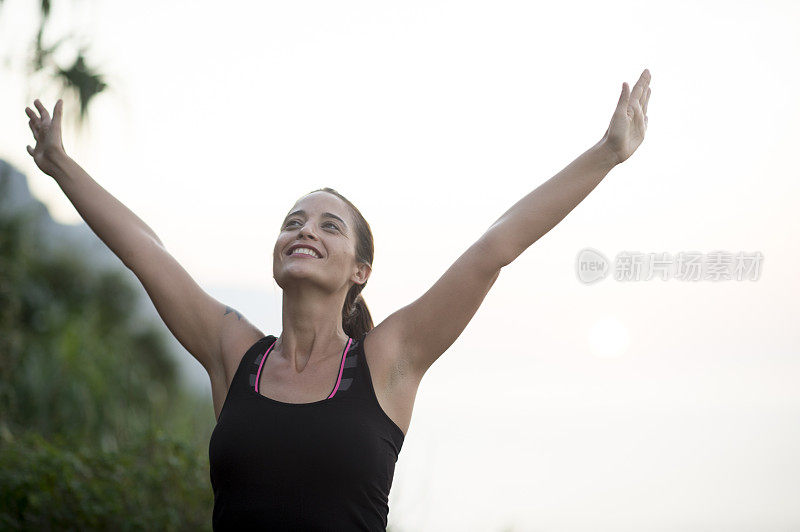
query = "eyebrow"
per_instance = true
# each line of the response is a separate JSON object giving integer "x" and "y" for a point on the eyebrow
{"x": 301, "y": 212}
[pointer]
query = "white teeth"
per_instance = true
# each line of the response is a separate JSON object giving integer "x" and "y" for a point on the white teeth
{"x": 305, "y": 251}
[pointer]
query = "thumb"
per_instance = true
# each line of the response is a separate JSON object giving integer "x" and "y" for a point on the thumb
{"x": 30, "y": 150}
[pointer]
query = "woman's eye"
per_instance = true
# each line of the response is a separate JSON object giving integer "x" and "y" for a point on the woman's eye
{"x": 290, "y": 222}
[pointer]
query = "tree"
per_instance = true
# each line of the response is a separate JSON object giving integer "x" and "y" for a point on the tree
{"x": 78, "y": 79}
{"x": 95, "y": 428}
{"x": 86, "y": 393}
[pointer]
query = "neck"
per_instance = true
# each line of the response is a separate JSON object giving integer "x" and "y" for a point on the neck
{"x": 312, "y": 327}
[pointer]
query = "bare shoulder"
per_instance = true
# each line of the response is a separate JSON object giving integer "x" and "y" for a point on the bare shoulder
{"x": 238, "y": 335}
{"x": 392, "y": 373}
{"x": 384, "y": 348}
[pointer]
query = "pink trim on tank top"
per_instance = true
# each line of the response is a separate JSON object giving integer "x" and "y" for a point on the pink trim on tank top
{"x": 258, "y": 374}
{"x": 338, "y": 379}
{"x": 341, "y": 368}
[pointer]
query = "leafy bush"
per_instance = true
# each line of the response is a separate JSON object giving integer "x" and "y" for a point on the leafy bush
{"x": 158, "y": 483}
{"x": 87, "y": 397}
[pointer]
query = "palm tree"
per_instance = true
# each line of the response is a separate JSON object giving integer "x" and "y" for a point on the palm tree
{"x": 78, "y": 79}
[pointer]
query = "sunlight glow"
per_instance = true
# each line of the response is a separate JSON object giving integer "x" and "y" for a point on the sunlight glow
{"x": 609, "y": 338}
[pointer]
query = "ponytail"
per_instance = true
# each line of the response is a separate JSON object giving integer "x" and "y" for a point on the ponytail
{"x": 356, "y": 319}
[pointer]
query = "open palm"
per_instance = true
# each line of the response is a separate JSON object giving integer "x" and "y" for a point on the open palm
{"x": 629, "y": 122}
{"x": 47, "y": 132}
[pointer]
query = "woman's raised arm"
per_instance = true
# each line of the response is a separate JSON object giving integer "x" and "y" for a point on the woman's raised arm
{"x": 423, "y": 330}
{"x": 116, "y": 225}
{"x": 541, "y": 210}
{"x": 203, "y": 325}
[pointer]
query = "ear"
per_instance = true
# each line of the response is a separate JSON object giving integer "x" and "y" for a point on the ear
{"x": 362, "y": 273}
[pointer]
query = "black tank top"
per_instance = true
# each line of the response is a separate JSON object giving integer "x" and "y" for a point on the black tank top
{"x": 325, "y": 465}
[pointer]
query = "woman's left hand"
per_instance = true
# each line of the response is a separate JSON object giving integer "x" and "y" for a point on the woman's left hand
{"x": 629, "y": 123}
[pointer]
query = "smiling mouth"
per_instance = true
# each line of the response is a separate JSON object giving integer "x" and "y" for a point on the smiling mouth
{"x": 310, "y": 256}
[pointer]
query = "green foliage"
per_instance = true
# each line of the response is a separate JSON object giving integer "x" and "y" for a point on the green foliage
{"x": 158, "y": 483}
{"x": 47, "y": 58}
{"x": 87, "y": 397}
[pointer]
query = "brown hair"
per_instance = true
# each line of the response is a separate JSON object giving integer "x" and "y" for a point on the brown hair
{"x": 356, "y": 319}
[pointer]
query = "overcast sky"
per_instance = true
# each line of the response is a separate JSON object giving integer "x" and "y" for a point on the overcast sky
{"x": 614, "y": 405}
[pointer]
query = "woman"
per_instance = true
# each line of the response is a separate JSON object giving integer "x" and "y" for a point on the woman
{"x": 310, "y": 423}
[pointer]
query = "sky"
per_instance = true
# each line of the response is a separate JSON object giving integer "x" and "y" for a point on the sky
{"x": 564, "y": 405}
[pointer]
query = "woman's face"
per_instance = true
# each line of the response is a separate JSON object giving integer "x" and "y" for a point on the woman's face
{"x": 322, "y": 222}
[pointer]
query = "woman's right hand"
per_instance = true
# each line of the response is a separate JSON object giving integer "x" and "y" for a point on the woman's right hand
{"x": 47, "y": 132}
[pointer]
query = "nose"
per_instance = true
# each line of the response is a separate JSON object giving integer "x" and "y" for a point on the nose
{"x": 304, "y": 231}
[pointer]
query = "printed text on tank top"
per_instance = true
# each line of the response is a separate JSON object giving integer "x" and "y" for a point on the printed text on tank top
{"x": 263, "y": 383}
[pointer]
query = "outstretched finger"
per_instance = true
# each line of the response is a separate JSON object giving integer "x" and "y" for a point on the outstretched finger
{"x": 623, "y": 97}
{"x": 31, "y": 113}
{"x": 42, "y": 109}
{"x": 646, "y": 99}
{"x": 644, "y": 79}
{"x": 57, "y": 112}
{"x": 34, "y": 130}
{"x": 643, "y": 95}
